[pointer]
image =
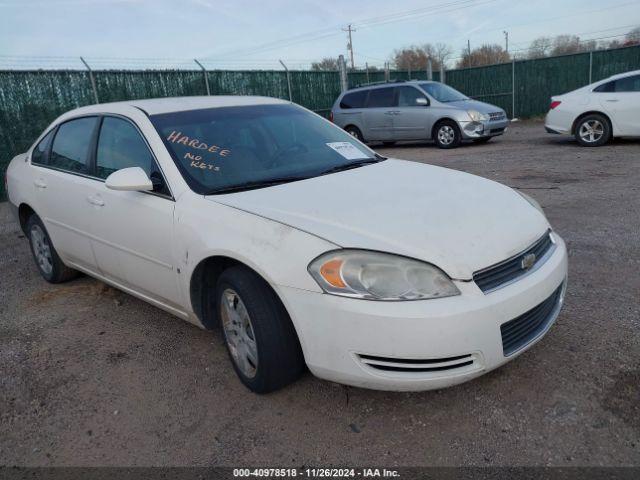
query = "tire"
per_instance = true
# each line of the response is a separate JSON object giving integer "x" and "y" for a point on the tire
{"x": 447, "y": 134}
{"x": 262, "y": 345}
{"x": 593, "y": 130}
{"x": 354, "y": 132}
{"x": 52, "y": 269}
{"x": 481, "y": 140}
{"x": 388, "y": 144}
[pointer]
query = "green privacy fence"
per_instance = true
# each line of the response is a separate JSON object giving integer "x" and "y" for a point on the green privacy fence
{"x": 30, "y": 100}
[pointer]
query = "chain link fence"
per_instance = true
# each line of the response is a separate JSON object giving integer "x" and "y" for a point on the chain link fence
{"x": 30, "y": 100}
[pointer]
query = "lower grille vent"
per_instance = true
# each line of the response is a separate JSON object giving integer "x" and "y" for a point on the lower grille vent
{"x": 413, "y": 365}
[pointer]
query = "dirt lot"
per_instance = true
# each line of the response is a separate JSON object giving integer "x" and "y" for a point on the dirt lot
{"x": 90, "y": 375}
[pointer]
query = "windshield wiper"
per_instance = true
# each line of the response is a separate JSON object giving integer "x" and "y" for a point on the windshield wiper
{"x": 255, "y": 184}
{"x": 349, "y": 166}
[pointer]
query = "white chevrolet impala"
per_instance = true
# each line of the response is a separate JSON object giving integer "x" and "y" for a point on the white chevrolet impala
{"x": 308, "y": 248}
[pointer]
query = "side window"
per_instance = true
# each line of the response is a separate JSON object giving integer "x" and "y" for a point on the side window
{"x": 381, "y": 97}
{"x": 354, "y": 100}
{"x": 628, "y": 84}
{"x": 605, "y": 87}
{"x": 121, "y": 146}
{"x": 408, "y": 97}
{"x": 40, "y": 152}
{"x": 71, "y": 145}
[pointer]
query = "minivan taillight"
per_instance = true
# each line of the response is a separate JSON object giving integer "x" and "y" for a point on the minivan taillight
{"x": 331, "y": 116}
{"x": 555, "y": 103}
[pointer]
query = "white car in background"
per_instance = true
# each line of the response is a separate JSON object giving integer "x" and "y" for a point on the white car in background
{"x": 305, "y": 245}
{"x": 598, "y": 112}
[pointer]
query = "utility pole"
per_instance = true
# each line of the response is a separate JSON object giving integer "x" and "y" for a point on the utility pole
{"x": 468, "y": 53}
{"x": 506, "y": 41}
{"x": 350, "y": 44}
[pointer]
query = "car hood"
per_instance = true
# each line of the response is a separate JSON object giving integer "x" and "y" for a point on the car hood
{"x": 457, "y": 221}
{"x": 475, "y": 105}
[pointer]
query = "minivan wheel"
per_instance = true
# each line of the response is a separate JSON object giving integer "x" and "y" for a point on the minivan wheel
{"x": 447, "y": 134}
{"x": 260, "y": 338}
{"x": 354, "y": 132}
{"x": 52, "y": 269}
{"x": 593, "y": 131}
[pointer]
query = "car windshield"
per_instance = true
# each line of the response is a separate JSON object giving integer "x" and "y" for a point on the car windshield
{"x": 221, "y": 150}
{"x": 443, "y": 93}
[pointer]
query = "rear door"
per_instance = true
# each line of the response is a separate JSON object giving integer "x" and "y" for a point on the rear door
{"x": 621, "y": 100}
{"x": 63, "y": 186}
{"x": 133, "y": 231}
{"x": 378, "y": 116}
{"x": 411, "y": 122}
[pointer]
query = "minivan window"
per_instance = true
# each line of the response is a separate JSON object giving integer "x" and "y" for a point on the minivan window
{"x": 443, "y": 93}
{"x": 225, "y": 149}
{"x": 381, "y": 97}
{"x": 354, "y": 100}
{"x": 121, "y": 146}
{"x": 408, "y": 96}
{"x": 39, "y": 154}
{"x": 70, "y": 150}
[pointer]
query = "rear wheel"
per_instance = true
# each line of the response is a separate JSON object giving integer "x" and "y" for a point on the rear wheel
{"x": 354, "y": 132}
{"x": 258, "y": 332}
{"x": 447, "y": 134}
{"x": 52, "y": 269}
{"x": 593, "y": 131}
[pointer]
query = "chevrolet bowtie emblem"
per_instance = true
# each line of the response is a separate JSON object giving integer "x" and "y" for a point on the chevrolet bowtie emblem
{"x": 528, "y": 261}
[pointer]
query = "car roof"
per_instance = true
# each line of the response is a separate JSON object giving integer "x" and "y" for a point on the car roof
{"x": 154, "y": 106}
{"x": 625, "y": 74}
{"x": 388, "y": 84}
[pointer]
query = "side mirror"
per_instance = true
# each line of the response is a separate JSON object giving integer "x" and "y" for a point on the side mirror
{"x": 421, "y": 101}
{"x": 132, "y": 179}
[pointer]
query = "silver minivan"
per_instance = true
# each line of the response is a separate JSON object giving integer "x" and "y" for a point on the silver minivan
{"x": 416, "y": 110}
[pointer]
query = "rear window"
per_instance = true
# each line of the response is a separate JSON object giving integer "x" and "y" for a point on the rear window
{"x": 71, "y": 145}
{"x": 629, "y": 84}
{"x": 39, "y": 154}
{"x": 381, "y": 97}
{"x": 605, "y": 87}
{"x": 354, "y": 100}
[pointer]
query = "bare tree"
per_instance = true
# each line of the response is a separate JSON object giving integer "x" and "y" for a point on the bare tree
{"x": 633, "y": 37}
{"x": 540, "y": 47}
{"x": 416, "y": 57}
{"x": 326, "y": 64}
{"x": 484, "y": 55}
{"x": 566, "y": 44}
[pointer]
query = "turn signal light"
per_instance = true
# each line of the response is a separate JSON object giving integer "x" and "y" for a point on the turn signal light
{"x": 330, "y": 271}
{"x": 331, "y": 117}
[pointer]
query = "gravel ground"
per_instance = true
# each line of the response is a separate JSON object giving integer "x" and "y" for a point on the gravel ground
{"x": 92, "y": 376}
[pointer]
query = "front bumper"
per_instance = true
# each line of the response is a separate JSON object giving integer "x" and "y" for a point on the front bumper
{"x": 474, "y": 130}
{"x": 347, "y": 340}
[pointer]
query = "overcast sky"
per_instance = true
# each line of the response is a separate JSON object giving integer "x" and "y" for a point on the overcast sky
{"x": 242, "y": 34}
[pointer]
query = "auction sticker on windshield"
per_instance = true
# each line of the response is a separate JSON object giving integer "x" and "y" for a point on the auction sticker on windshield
{"x": 347, "y": 150}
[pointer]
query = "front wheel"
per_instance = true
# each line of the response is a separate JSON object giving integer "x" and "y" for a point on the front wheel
{"x": 258, "y": 332}
{"x": 593, "y": 131}
{"x": 447, "y": 134}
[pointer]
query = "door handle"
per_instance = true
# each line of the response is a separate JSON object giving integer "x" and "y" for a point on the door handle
{"x": 612, "y": 100}
{"x": 97, "y": 201}
{"x": 39, "y": 183}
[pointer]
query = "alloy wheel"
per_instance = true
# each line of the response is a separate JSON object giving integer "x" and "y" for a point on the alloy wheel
{"x": 591, "y": 131}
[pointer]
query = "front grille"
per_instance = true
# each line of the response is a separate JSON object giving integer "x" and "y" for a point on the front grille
{"x": 412, "y": 365}
{"x": 498, "y": 275}
{"x": 522, "y": 330}
{"x": 494, "y": 116}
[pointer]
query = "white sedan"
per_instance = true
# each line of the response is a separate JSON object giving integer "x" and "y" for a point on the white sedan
{"x": 598, "y": 112}
{"x": 306, "y": 246}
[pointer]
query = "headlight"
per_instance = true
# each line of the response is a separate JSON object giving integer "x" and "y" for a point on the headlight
{"x": 533, "y": 202}
{"x": 379, "y": 276}
{"x": 476, "y": 116}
